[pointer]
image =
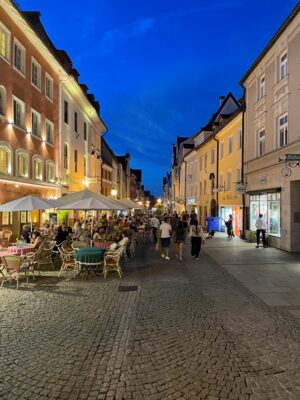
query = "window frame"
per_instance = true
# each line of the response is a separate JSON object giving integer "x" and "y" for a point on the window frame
{"x": 50, "y": 79}
{"x": 51, "y": 124}
{"x": 3, "y": 101}
{"x": 23, "y": 110}
{"x": 66, "y": 112}
{"x": 262, "y": 87}
{"x": 221, "y": 155}
{"x": 24, "y": 153}
{"x": 6, "y": 31}
{"x": 260, "y": 140}
{"x": 75, "y": 160}
{"x": 39, "y": 115}
{"x": 50, "y": 163}
{"x": 285, "y": 65}
{"x": 34, "y": 63}
{"x": 23, "y": 51}
{"x": 66, "y": 161}
{"x": 230, "y": 145}
{"x": 37, "y": 159}
{"x": 286, "y": 132}
{"x": 9, "y": 151}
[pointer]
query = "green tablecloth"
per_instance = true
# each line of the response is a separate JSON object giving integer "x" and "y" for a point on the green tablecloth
{"x": 91, "y": 255}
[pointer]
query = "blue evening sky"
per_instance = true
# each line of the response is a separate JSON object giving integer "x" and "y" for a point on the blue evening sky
{"x": 158, "y": 67}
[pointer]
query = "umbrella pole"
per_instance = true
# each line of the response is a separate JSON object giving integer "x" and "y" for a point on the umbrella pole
{"x": 31, "y": 221}
{"x": 91, "y": 242}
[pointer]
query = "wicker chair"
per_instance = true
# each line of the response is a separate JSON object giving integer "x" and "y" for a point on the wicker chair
{"x": 12, "y": 267}
{"x": 68, "y": 260}
{"x": 112, "y": 261}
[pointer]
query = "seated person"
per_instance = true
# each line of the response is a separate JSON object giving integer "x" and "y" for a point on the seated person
{"x": 37, "y": 240}
{"x": 124, "y": 240}
{"x": 100, "y": 235}
{"x": 60, "y": 236}
{"x": 25, "y": 235}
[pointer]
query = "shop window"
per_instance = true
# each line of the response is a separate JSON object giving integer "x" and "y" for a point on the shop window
{"x": 267, "y": 204}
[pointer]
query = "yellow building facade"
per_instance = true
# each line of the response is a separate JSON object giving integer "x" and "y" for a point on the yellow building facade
{"x": 230, "y": 202}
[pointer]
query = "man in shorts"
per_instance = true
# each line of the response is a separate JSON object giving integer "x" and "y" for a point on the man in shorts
{"x": 165, "y": 238}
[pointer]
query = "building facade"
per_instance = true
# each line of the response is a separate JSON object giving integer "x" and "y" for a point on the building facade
{"x": 272, "y": 134}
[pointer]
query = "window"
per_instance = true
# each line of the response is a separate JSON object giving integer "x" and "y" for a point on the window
{"x": 49, "y": 87}
{"x": 37, "y": 169}
{"x": 4, "y": 42}
{"x": 229, "y": 180}
{"x": 76, "y": 122}
{"x": 50, "y": 171}
{"x": 200, "y": 164}
{"x": 267, "y": 204}
{"x": 84, "y": 131}
{"x": 5, "y": 159}
{"x": 240, "y": 139}
{"x": 75, "y": 161}
{"x": 205, "y": 161}
{"x": 66, "y": 156}
{"x": 22, "y": 163}
{"x": 85, "y": 165}
{"x": 230, "y": 144}
{"x": 49, "y": 132}
{"x": 36, "y": 74}
{"x": 262, "y": 87}
{"x": 66, "y": 112}
{"x": 261, "y": 136}
{"x": 19, "y": 112}
{"x": 35, "y": 123}
{"x": 2, "y": 101}
{"x": 283, "y": 131}
{"x": 204, "y": 187}
{"x": 283, "y": 66}
{"x": 221, "y": 181}
{"x": 238, "y": 174}
{"x": 221, "y": 150}
{"x": 19, "y": 57}
{"x": 213, "y": 155}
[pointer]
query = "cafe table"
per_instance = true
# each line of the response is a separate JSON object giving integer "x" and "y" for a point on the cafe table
{"x": 24, "y": 249}
{"x": 89, "y": 259}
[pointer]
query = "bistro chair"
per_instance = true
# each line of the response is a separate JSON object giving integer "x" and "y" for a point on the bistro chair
{"x": 12, "y": 267}
{"x": 112, "y": 262}
{"x": 68, "y": 260}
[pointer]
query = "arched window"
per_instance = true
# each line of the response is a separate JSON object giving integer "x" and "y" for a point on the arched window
{"x": 37, "y": 168}
{"x": 22, "y": 167}
{"x": 2, "y": 101}
{"x": 5, "y": 158}
{"x": 50, "y": 171}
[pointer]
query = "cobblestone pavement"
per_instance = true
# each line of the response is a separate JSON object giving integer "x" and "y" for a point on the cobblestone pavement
{"x": 190, "y": 331}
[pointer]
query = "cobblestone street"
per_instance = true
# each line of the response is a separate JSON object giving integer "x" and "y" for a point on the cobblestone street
{"x": 191, "y": 330}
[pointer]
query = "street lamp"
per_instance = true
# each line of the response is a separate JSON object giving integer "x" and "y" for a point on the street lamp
{"x": 159, "y": 200}
{"x": 114, "y": 192}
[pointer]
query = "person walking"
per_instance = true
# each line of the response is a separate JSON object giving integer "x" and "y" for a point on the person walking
{"x": 261, "y": 227}
{"x": 229, "y": 226}
{"x": 154, "y": 224}
{"x": 180, "y": 239}
{"x": 165, "y": 238}
{"x": 197, "y": 236}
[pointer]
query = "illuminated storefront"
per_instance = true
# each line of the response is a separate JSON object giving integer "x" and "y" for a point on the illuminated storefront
{"x": 237, "y": 218}
{"x": 267, "y": 204}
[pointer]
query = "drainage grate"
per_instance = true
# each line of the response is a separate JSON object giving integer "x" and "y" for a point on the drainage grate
{"x": 128, "y": 288}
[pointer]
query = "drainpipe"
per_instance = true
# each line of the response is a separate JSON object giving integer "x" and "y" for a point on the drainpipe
{"x": 217, "y": 172}
{"x": 242, "y": 161}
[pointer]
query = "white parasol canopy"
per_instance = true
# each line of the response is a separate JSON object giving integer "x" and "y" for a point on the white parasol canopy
{"x": 128, "y": 203}
{"x": 28, "y": 203}
{"x": 86, "y": 197}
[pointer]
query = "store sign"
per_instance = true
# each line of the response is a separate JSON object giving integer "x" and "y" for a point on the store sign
{"x": 191, "y": 201}
{"x": 240, "y": 188}
{"x": 292, "y": 157}
{"x": 263, "y": 180}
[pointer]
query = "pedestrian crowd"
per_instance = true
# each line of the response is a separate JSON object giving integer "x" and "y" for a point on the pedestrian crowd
{"x": 176, "y": 228}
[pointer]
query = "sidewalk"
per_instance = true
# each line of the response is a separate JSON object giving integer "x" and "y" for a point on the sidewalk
{"x": 271, "y": 274}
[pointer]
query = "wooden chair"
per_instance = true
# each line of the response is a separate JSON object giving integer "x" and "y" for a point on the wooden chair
{"x": 12, "y": 267}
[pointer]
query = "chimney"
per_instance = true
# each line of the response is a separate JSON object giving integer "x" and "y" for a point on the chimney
{"x": 221, "y": 99}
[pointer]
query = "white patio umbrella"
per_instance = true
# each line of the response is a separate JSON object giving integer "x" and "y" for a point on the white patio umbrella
{"x": 132, "y": 204}
{"x": 28, "y": 203}
{"x": 95, "y": 202}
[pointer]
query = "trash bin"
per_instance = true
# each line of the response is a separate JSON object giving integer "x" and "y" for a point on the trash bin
{"x": 213, "y": 223}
